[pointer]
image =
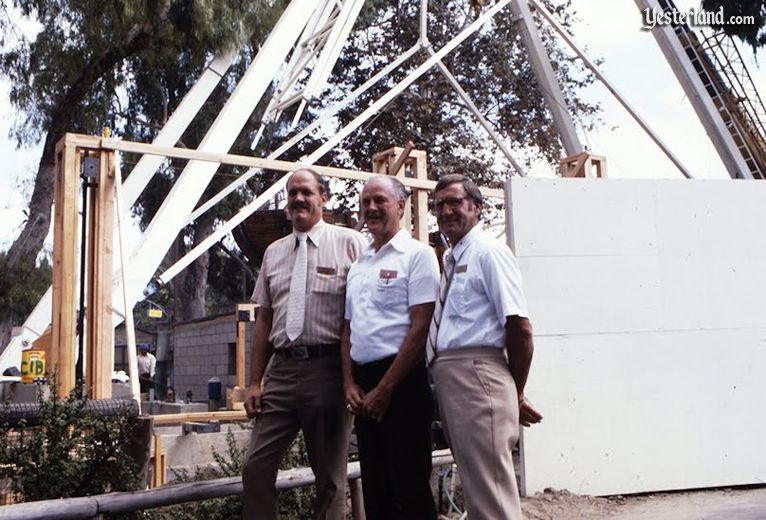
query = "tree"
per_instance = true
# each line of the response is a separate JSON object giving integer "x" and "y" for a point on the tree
{"x": 753, "y": 34}
{"x": 492, "y": 68}
{"x": 69, "y": 78}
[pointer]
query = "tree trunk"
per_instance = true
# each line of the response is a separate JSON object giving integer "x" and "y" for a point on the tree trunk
{"x": 190, "y": 285}
{"x": 22, "y": 255}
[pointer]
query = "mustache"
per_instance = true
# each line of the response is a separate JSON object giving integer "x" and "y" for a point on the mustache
{"x": 372, "y": 214}
{"x": 299, "y": 205}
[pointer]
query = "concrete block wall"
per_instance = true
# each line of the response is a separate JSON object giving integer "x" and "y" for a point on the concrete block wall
{"x": 201, "y": 351}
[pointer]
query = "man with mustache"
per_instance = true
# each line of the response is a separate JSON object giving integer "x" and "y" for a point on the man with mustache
{"x": 481, "y": 338}
{"x": 301, "y": 292}
{"x": 391, "y": 292}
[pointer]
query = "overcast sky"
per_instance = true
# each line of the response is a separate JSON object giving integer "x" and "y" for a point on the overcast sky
{"x": 611, "y": 30}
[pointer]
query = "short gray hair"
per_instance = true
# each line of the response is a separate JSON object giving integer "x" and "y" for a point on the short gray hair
{"x": 399, "y": 190}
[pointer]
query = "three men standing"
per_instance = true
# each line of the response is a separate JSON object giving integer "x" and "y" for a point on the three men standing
{"x": 481, "y": 338}
{"x": 301, "y": 292}
{"x": 480, "y": 341}
{"x": 390, "y": 299}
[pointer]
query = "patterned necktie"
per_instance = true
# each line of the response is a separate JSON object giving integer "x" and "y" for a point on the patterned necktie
{"x": 433, "y": 330}
{"x": 296, "y": 301}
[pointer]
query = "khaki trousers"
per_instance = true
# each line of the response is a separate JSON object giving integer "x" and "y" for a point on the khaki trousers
{"x": 299, "y": 395}
{"x": 480, "y": 415}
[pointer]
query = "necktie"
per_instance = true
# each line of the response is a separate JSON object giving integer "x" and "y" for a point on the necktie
{"x": 433, "y": 330}
{"x": 296, "y": 301}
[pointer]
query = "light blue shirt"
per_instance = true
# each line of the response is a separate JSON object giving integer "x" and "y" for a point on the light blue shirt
{"x": 381, "y": 287}
{"x": 486, "y": 288}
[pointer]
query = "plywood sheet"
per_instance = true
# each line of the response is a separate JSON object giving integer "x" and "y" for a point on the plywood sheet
{"x": 648, "y": 302}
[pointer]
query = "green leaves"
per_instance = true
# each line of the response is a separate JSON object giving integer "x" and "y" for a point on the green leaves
{"x": 73, "y": 452}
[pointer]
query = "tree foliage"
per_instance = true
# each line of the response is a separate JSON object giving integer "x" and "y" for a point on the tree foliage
{"x": 753, "y": 34}
{"x": 491, "y": 66}
{"x": 73, "y": 76}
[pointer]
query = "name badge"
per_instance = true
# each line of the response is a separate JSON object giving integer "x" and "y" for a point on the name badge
{"x": 325, "y": 270}
{"x": 387, "y": 274}
{"x": 461, "y": 268}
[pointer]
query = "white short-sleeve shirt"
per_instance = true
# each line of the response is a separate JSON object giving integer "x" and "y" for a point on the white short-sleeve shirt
{"x": 486, "y": 288}
{"x": 381, "y": 287}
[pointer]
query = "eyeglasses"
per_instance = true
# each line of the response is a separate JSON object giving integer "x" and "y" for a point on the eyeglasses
{"x": 450, "y": 202}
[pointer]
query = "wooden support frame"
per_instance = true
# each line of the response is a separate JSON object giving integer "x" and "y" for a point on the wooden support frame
{"x": 68, "y": 152}
{"x": 407, "y": 164}
{"x": 583, "y": 165}
{"x": 65, "y": 256}
{"x": 100, "y": 332}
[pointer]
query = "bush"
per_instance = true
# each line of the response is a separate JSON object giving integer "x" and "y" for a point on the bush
{"x": 72, "y": 452}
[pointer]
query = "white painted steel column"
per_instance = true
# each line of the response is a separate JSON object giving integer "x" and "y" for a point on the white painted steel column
{"x": 40, "y": 317}
{"x": 479, "y": 116}
{"x": 280, "y": 183}
{"x": 698, "y": 96}
{"x": 592, "y": 66}
{"x": 171, "y": 217}
{"x": 325, "y": 116}
{"x": 120, "y": 209}
{"x": 546, "y": 78}
{"x": 176, "y": 125}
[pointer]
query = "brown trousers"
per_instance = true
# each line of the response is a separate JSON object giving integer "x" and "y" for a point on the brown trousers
{"x": 299, "y": 395}
{"x": 480, "y": 415}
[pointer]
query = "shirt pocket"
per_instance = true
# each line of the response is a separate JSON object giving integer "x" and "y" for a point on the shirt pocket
{"x": 466, "y": 293}
{"x": 390, "y": 294}
{"x": 329, "y": 283}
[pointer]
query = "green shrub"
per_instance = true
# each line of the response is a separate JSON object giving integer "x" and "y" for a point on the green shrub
{"x": 72, "y": 452}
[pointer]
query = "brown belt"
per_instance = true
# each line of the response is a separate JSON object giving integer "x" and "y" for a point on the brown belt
{"x": 308, "y": 351}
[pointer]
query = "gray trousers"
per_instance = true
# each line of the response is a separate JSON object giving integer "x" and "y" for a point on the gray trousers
{"x": 480, "y": 415}
{"x": 299, "y": 395}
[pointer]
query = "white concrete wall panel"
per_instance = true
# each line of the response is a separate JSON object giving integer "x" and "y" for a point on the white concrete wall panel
{"x": 648, "y": 302}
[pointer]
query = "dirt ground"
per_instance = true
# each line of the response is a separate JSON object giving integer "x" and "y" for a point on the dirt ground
{"x": 717, "y": 504}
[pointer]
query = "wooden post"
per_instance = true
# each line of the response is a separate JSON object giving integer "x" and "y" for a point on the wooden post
{"x": 160, "y": 464}
{"x": 406, "y": 162}
{"x": 245, "y": 314}
{"x": 420, "y": 197}
{"x": 100, "y": 333}
{"x": 65, "y": 268}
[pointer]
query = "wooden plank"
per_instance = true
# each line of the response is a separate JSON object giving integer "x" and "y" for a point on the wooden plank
{"x": 178, "y": 418}
{"x": 241, "y": 339}
{"x": 158, "y": 477}
{"x": 65, "y": 268}
{"x": 420, "y": 198}
{"x": 100, "y": 337}
{"x": 253, "y": 162}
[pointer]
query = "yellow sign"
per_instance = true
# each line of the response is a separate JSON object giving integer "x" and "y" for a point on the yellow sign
{"x": 155, "y": 313}
{"x": 32, "y": 365}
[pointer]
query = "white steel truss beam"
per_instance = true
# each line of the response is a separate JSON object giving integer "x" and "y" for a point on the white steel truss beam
{"x": 323, "y": 118}
{"x": 147, "y": 255}
{"x": 280, "y": 183}
{"x": 546, "y": 78}
{"x": 700, "y": 100}
{"x": 596, "y": 72}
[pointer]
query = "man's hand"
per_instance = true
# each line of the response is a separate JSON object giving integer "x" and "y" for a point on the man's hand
{"x": 527, "y": 413}
{"x": 376, "y": 403}
{"x": 253, "y": 400}
{"x": 354, "y": 398}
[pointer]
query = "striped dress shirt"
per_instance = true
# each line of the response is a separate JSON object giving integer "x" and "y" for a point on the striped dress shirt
{"x": 331, "y": 251}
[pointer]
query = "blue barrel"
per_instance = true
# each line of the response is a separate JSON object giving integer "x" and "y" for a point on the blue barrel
{"x": 214, "y": 389}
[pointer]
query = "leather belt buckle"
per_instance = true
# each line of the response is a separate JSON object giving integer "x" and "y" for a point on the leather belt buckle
{"x": 300, "y": 352}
